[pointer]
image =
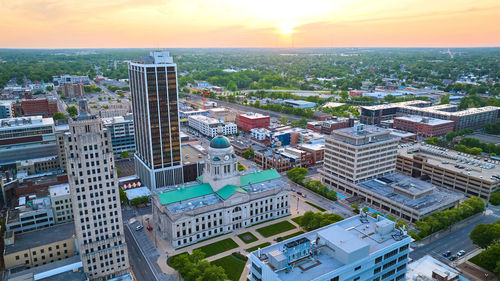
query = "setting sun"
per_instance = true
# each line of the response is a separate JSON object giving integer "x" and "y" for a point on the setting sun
{"x": 286, "y": 28}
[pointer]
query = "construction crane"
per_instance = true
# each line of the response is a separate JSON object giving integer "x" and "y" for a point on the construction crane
{"x": 204, "y": 93}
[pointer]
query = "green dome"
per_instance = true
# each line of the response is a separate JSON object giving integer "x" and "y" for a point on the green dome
{"x": 220, "y": 142}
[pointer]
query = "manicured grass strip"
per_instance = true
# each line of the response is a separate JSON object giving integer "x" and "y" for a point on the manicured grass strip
{"x": 232, "y": 266}
{"x": 218, "y": 247}
{"x": 263, "y": 245}
{"x": 276, "y": 228}
{"x": 290, "y": 235}
{"x": 297, "y": 219}
{"x": 172, "y": 258}
{"x": 247, "y": 237}
{"x": 315, "y": 206}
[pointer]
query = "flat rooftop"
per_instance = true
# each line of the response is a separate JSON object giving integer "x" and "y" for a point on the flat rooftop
{"x": 60, "y": 270}
{"x": 28, "y": 121}
{"x": 398, "y": 104}
{"x": 37, "y": 238}
{"x": 254, "y": 115}
{"x": 348, "y": 235}
{"x": 361, "y": 135}
{"x": 432, "y": 197}
{"x": 425, "y": 120}
{"x": 468, "y": 165}
{"x": 191, "y": 155}
{"x": 59, "y": 190}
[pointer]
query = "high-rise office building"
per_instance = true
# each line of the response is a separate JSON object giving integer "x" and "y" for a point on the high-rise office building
{"x": 153, "y": 85}
{"x": 95, "y": 198}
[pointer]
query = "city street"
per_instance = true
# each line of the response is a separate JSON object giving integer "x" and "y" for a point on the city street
{"x": 456, "y": 240}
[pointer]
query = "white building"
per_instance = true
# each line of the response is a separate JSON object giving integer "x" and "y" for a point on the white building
{"x": 60, "y": 198}
{"x": 223, "y": 200}
{"x": 208, "y": 126}
{"x": 359, "y": 248}
{"x": 259, "y": 133}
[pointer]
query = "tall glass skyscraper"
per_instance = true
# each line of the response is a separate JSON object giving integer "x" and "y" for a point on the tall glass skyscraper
{"x": 153, "y": 85}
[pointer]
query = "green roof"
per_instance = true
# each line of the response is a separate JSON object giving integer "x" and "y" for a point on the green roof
{"x": 229, "y": 190}
{"x": 220, "y": 142}
{"x": 186, "y": 193}
{"x": 203, "y": 189}
{"x": 259, "y": 177}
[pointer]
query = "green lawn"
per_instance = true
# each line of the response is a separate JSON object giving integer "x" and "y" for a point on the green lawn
{"x": 276, "y": 228}
{"x": 297, "y": 220}
{"x": 218, "y": 247}
{"x": 290, "y": 235}
{"x": 258, "y": 246}
{"x": 247, "y": 237}
{"x": 315, "y": 206}
{"x": 232, "y": 265}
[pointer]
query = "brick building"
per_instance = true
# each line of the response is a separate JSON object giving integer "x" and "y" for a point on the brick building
{"x": 267, "y": 159}
{"x": 424, "y": 127}
{"x": 249, "y": 121}
{"x": 42, "y": 106}
{"x": 327, "y": 126}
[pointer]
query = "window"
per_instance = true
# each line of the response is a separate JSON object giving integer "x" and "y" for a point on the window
{"x": 357, "y": 268}
{"x": 336, "y": 278}
{"x": 379, "y": 259}
{"x": 377, "y": 270}
{"x": 356, "y": 279}
{"x": 391, "y": 253}
{"x": 405, "y": 247}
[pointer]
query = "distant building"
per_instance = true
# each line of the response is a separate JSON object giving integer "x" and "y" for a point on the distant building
{"x": 60, "y": 198}
{"x": 470, "y": 118}
{"x": 64, "y": 269}
{"x": 71, "y": 90}
{"x": 259, "y": 134}
{"x": 208, "y": 126}
{"x": 39, "y": 247}
{"x": 6, "y": 109}
{"x": 320, "y": 116}
{"x": 326, "y": 127}
{"x": 317, "y": 152}
{"x": 357, "y": 248}
{"x": 249, "y": 121}
{"x": 360, "y": 163}
{"x": 240, "y": 146}
{"x": 202, "y": 84}
{"x": 122, "y": 132}
{"x": 222, "y": 113}
{"x": 26, "y": 138}
{"x": 299, "y": 104}
{"x": 74, "y": 79}
{"x": 268, "y": 159}
{"x": 184, "y": 114}
{"x": 424, "y": 127}
{"x": 356, "y": 93}
{"x": 41, "y": 106}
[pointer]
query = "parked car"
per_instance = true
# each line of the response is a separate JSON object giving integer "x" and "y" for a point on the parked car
{"x": 446, "y": 254}
{"x": 452, "y": 258}
{"x": 299, "y": 193}
{"x": 461, "y": 253}
{"x": 139, "y": 227}
{"x": 150, "y": 228}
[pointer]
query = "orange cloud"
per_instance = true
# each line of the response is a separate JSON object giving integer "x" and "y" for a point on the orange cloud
{"x": 257, "y": 23}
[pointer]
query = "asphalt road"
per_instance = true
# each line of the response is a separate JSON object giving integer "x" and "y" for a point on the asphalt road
{"x": 138, "y": 263}
{"x": 456, "y": 240}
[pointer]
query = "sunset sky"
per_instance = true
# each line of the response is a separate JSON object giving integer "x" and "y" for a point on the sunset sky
{"x": 243, "y": 23}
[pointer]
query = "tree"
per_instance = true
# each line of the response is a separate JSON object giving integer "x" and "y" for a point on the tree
{"x": 248, "y": 154}
{"x": 125, "y": 154}
{"x": 231, "y": 86}
{"x": 483, "y": 235}
{"x": 49, "y": 88}
{"x": 432, "y": 141}
{"x": 118, "y": 171}
{"x": 58, "y": 116}
{"x": 297, "y": 174}
{"x": 241, "y": 167}
{"x": 72, "y": 111}
{"x": 123, "y": 197}
{"x": 495, "y": 198}
{"x": 284, "y": 120}
{"x": 445, "y": 99}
